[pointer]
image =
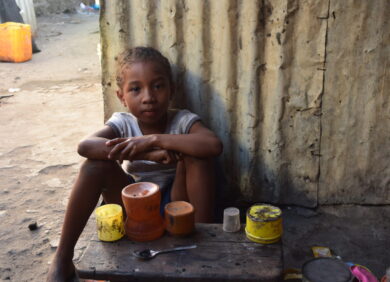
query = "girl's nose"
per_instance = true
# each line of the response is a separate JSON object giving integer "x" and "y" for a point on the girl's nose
{"x": 148, "y": 96}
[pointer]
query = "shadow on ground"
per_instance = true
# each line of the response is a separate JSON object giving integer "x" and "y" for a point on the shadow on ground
{"x": 358, "y": 234}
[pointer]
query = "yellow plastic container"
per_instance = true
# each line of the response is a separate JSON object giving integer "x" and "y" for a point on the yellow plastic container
{"x": 263, "y": 223}
{"x": 109, "y": 219}
{"x": 15, "y": 42}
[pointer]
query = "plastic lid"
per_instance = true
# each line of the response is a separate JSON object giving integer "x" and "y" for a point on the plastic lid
{"x": 178, "y": 208}
{"x": 264, "y": 212}
{"x": 108, "y": 210}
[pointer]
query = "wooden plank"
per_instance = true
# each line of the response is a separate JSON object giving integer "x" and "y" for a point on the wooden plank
{"x": 220, "y": 256}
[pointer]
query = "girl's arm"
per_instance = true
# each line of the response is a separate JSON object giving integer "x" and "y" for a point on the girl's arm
{"x": 94, "y": 146}
{"x": 97, "y": 147}
{"x": 200, "y": 142}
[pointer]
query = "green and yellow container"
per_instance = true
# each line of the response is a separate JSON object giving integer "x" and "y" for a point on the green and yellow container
{"x": 109, "y": 220}
{"x": 264, "y": 223}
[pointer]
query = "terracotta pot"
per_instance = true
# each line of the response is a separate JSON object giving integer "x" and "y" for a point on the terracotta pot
{"x": 142, "y": 205}
{"x": 179, "y": 218}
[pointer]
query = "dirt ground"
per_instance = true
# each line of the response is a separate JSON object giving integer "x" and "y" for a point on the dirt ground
{"x": 49, "y": 103}
{"x": 57, "y": 102}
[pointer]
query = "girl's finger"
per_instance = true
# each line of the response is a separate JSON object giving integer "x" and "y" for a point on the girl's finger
{"x": 126, "y": 153}
{"x": 173, "y": 156}
{"x": 111, "y": 142}
{"x": 115, "y": 141}
{"x": 179, "y": 156}
{"x": 170, "y": 157}
{"x": 116, "y": 149}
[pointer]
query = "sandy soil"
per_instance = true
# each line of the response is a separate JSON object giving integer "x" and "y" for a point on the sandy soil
{"x": 57, "y": 102}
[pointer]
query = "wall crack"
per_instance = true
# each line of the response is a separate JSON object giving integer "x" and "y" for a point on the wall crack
{"x": 321, "y": 99}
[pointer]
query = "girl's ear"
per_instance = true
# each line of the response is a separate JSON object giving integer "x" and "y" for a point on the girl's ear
{"x": 119, "y": 94}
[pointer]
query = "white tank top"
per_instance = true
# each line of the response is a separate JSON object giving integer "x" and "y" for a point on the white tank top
{"x": 126, "y": 125}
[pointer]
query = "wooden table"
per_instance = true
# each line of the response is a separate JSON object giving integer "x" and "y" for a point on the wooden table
{"x": 219, "y": 256}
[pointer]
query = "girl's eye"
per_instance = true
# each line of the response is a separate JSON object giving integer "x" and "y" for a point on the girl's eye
{"x": 159, "y": 85}
{"x": 135, "y": 89}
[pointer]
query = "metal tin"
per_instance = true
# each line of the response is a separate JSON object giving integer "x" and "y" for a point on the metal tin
{"x": 109, "y": 219}
{"x": 326, "y": 269}
{"x": 263, "y": 223}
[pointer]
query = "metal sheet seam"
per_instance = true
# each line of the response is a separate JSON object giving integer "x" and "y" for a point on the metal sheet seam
{"x": 323, "y": 91}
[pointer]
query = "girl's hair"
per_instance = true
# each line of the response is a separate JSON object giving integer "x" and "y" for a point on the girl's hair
{"x": 141, "y": 54}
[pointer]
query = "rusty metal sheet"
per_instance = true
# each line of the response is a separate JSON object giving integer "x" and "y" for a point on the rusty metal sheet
{"x": 355, "y": 146}
{"x": 291, "y": 91}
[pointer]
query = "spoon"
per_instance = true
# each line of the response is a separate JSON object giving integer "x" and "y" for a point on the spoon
{"x": 149, "y": 254}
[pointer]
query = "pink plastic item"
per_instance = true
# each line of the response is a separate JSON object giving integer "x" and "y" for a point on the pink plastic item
{"x": 362, "y": 274}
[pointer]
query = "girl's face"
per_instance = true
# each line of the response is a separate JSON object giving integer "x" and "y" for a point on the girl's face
{"x": 146, "y": 92}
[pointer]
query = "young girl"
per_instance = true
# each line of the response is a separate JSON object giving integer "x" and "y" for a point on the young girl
{"x": 151, "y": 142}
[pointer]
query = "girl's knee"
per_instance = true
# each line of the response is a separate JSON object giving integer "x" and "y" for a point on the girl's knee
{"x": 97, "y": 167}
{"x": 192, "y": 161}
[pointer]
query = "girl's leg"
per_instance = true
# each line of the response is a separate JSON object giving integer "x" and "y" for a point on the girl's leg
{"x": 96, "y": 177}
{"x": 195, "y": 182}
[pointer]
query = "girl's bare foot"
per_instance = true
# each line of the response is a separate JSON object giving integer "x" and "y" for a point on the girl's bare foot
{"x": 61, "y": 272}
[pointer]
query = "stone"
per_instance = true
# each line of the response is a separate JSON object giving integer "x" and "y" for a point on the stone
{"x": 33, "y": 226}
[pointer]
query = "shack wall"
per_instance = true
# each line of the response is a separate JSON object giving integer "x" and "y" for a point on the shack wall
{"x": 267, "y": 77}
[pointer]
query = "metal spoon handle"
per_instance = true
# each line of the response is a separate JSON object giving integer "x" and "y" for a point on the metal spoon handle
{"x": 177, "y": 249}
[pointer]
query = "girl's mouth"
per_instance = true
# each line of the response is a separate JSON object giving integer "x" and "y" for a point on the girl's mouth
{"x": 149, "y": 112}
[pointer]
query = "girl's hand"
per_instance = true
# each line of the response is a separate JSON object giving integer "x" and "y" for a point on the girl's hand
{"x": 163, "y": 156}
{"x": 129, "y": 148}
{"x": 122, "y": 146}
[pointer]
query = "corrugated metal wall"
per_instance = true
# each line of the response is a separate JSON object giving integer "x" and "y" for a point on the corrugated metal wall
{"x": 355, "y": 147}
{"x": 267, "y": 77}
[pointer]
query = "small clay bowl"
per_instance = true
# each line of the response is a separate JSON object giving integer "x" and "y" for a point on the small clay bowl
{"x": 179, "y": 218}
